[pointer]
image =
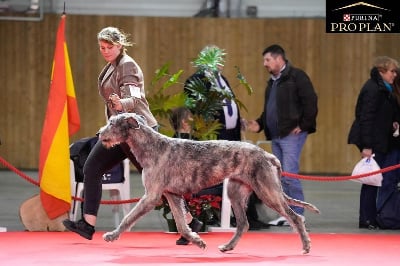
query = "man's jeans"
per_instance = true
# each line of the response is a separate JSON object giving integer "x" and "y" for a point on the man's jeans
{"x": 288, "y": 151}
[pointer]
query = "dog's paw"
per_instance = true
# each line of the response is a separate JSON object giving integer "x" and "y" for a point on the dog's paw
{"x": 307, "y": 247}
{"x": 224, "y": 248}
{"x": 196, "y": 240}
{"x": 306, "y": 250}
{"x": 200, "y": 243}
{"x": 111, "y": 236}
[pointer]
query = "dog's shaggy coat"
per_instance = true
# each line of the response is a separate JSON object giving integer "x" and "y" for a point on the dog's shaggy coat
{"x": 173, "y": 167}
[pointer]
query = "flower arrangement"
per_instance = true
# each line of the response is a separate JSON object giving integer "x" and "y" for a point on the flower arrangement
{"x": 206, "y": 208}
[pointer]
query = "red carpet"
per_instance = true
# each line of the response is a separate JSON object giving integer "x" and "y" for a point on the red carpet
{"x": 158, "y": 248}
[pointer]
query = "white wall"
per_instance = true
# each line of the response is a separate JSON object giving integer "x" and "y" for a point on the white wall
{"x": 187, "y": 8}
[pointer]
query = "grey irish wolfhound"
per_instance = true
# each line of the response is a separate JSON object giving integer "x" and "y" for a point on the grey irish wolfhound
{"x": 173, "y": 167}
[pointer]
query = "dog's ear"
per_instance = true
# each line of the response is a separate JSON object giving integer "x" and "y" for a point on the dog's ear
{"x": 140, "y": 119}
{"x": 132, "y": 120}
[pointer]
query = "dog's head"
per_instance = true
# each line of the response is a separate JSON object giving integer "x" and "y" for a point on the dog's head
{"x": 118, "y": 127}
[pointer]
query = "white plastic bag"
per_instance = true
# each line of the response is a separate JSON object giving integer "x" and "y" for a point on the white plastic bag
{"x": 364, "y": 166}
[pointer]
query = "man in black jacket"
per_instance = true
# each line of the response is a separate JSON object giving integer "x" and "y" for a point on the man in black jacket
{"x": 289, "y": 115}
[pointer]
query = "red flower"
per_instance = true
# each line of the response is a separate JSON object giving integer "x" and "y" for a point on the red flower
{"x": 204, "y": 207}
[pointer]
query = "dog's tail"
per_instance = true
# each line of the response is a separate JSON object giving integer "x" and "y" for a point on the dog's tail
{"x": 300, "y": 203}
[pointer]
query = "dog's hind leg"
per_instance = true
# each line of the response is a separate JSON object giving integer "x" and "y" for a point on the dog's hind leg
{"x": 238, "y": 194}
{"x": 297, "y": 223}
{"x": 176, "y": 202}
{"x": 268, "y": 189}
{"x": 276, "y": 201}
{"x": 144, "y": 205}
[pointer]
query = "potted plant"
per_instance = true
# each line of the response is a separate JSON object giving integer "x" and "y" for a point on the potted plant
{"x": 207, "y": 103}
{"x": 205, "y": 208}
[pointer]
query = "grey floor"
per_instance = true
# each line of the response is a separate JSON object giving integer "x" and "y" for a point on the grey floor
{"x": 337, "y": 201}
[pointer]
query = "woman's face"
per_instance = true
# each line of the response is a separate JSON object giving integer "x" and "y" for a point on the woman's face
{"x": 389, "y": 75}
{"x": 109, "y": 51}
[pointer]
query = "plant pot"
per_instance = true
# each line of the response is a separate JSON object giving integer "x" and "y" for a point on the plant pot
{"x": 204, "y": 227}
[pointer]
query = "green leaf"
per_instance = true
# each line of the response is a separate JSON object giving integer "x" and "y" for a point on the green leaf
{"x": 172, "y": 80}
{"x": 202, "y": 96}
{"x": 209, "y": 58}
{"x": 243, "y": 81}
{"x": 159, "y": 74}
{"x": 205, "y": 130}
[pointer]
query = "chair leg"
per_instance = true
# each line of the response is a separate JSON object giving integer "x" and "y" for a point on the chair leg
{"x": 126, "y": 207}
{"x": 115, "y": 196}
{"x": 76, "y": 204}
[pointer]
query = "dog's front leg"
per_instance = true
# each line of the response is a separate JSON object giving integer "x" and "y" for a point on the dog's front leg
{"x": 178, "y": 210}
{"x": 145, "y": 205}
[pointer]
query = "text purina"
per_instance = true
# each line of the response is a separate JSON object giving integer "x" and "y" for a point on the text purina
{"x": 361, "y": 27}
{"x": 365, "y": 17}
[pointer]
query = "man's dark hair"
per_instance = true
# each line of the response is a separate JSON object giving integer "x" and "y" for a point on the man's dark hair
{"x": 275, "y": 49}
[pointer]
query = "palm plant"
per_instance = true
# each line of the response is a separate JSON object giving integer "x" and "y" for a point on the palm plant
{"x": 204, "y": 101}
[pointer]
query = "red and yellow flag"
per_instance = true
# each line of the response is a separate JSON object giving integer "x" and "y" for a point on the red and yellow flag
{"x": 61, "y": 121}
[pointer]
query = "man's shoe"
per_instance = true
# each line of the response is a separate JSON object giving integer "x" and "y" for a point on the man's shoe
{"x": 257, "y": 225}
{"x": 80, "y": 227}
{"x": 280, "y": 221}
{"x": 195, "y": 225}
{"x": 182, "y": 241}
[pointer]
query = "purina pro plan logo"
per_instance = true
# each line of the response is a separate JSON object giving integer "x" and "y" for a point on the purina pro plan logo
{"x": 352, "y": 16}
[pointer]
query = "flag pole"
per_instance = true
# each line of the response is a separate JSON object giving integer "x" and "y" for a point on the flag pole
{"x": 61, "y": 121}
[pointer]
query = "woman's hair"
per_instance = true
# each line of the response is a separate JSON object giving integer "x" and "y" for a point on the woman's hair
{"x": 114, "y": 35}
{"x": 177, "y": 115}
{"x": 384, "y": 63}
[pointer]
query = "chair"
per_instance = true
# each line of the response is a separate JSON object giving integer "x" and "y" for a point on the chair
{"x": 226, "y": 203}
{"x": 118, "y": 191}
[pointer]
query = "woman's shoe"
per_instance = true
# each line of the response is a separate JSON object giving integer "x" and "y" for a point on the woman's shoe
{"x": 367, "y": 225}
{"x": 80, "y": 227}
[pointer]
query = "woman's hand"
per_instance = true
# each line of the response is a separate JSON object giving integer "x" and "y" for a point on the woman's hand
{"x": 116, "y": 102}
{"x": 396, "y": 129}
{"x": 366, "y": 153}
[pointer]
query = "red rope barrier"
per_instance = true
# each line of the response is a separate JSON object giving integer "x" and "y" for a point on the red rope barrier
{"x": 36, "y": 183}
{"x": 315, "y": 178}
{"x": 340, "y": 178}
